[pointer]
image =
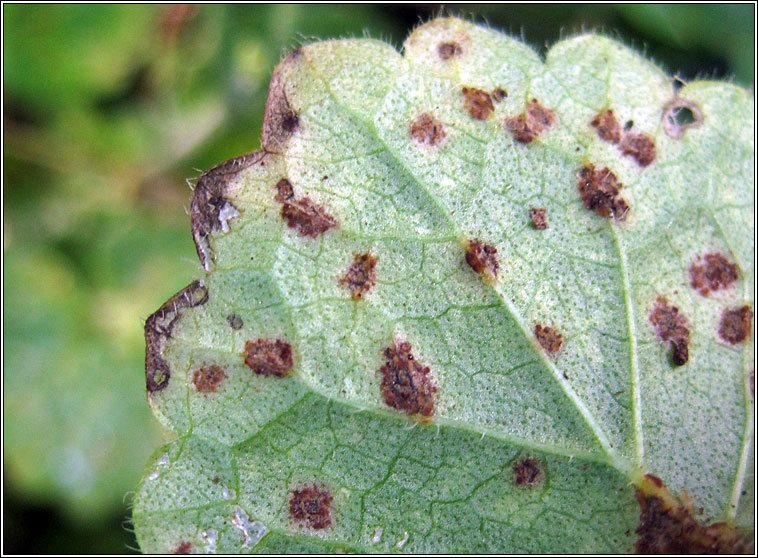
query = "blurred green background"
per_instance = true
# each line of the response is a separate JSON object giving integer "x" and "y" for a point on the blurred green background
{"x": 107, "y": 111}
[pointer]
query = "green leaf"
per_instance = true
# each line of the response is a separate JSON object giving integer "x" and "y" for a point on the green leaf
{"x": 565, "y": 382}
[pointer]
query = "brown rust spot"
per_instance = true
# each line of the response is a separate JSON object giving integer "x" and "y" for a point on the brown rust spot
{"x": 548, "y": 338}
{"x": 671, "y": 326}
{"x": 280, "y": 119}
{"x": 208, "y": 378}
{"x": 159, "y": 328}
{"x": 210, "y": 207}
{"x": 360, "y": 276}
{"x": 499, "y": 94}
{"x": 448, "y": 50}
{"x": 482, "y": 258}
{"x": 527, "y": 472}
{"x": 599, "y": 190}
{"x": 309, "y": 218}
{"x": 678, "y": 115}
{"x": 478, "y": 103}
{"x": 736, "y": 324}
{"x": 527, "y": 126}
{"x": 427, "y": 130}
{"x": 607, "y": 127}
{"x": 269, "y": 357}
{"x": 311, "y": 506}
{"x": 712, "y": 272}
{"x": 668, "y": 525}
{"x": 539, "y": 219}
{"x": 639, "y": 147}
{"x": 182, "y": 547}
{"x": 235, "y": 322}
{"x": 406, "y": 384}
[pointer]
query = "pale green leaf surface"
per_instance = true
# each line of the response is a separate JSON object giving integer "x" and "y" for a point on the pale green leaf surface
{"x": 606, "y": 408}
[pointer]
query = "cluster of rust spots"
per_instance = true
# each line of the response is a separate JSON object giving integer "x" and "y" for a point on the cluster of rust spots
{"x": 482, "y": 258}
{"x": 309, "y": 218}
{"x": 668, "y": 526}
{"x": 736, "y": 324}
{"x": 311, "y": 506}
{"x": 182, "y": 547}
{"x": 208, "y": 378}
{"x": 427, "y": 130}
{"x": 678, "y": 115}
{"x": 448, "y": 50}
{"x": 269, "y": 357}
{"x": 607, "y": 127}
{"x": 406, "y": 384}
{"x": 159, "y": 328}
{"x": 638, "y": 146}
{"x": 600, "y": 192}
{"x": 671, "y": 326}
{"x": 360, "y": 276}
{"x": 712, "y": 272}
{"x": 499, "y": 94}
{"x": 539, "y": 218}
{"x": 210, "y": 198}
{"x": 527, "y": 126}
{"x": 549, "y": 339}
{"x": 477, "y": 102}
{"x": 527, "y": 472}
{"x": 235, "y": 322}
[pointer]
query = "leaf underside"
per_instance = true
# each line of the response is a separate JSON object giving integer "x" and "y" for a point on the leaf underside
{"x": 395, "y": 211}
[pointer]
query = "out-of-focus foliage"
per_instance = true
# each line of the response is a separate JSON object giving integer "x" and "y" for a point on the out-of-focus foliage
{"x": 107, "y": 110}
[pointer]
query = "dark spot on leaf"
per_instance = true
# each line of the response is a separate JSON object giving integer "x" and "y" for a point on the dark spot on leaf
{"x": 427, "y": 130}
{"x": 280, "y": 119}
{"x": 448, "y": 50}
{"x": 550, "y": 339}
{"x": 234, "y": 321}
{"x": 607, "y": 127}
{"x": 360, "y": 276}
{"x": 712, "y": 272}
{"x": 527, "y": 472}
{"x": 751, "y": 382}
{"x": 668, "y": 526}
{"x": 736, "y": 324}
{"x": 216, "y": 479}
{"x": 406, "y": 384}
{"x": 183, "y": 547}
{"x": 269, "y": 357}
{"x": 159, "y": 327}
{"x": 309, "y": 218}
{"x": 499, "y": 94}
{"x": 671, "y": 326}
{"x": 482, "y": 258}
{"x": 527, "y": 126}
{"x": 639, "y": 147}
{"x": 599, "y": 190}
{"x": 678, "y": 115}
{"x": 539, "y": 219}
{"x": 208, "y": 378}
{"x": 478, "y": 103}
{"x": 312, "y": 507}
{"x": 284, "y": 191}
{"x": 210, "y": 209}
